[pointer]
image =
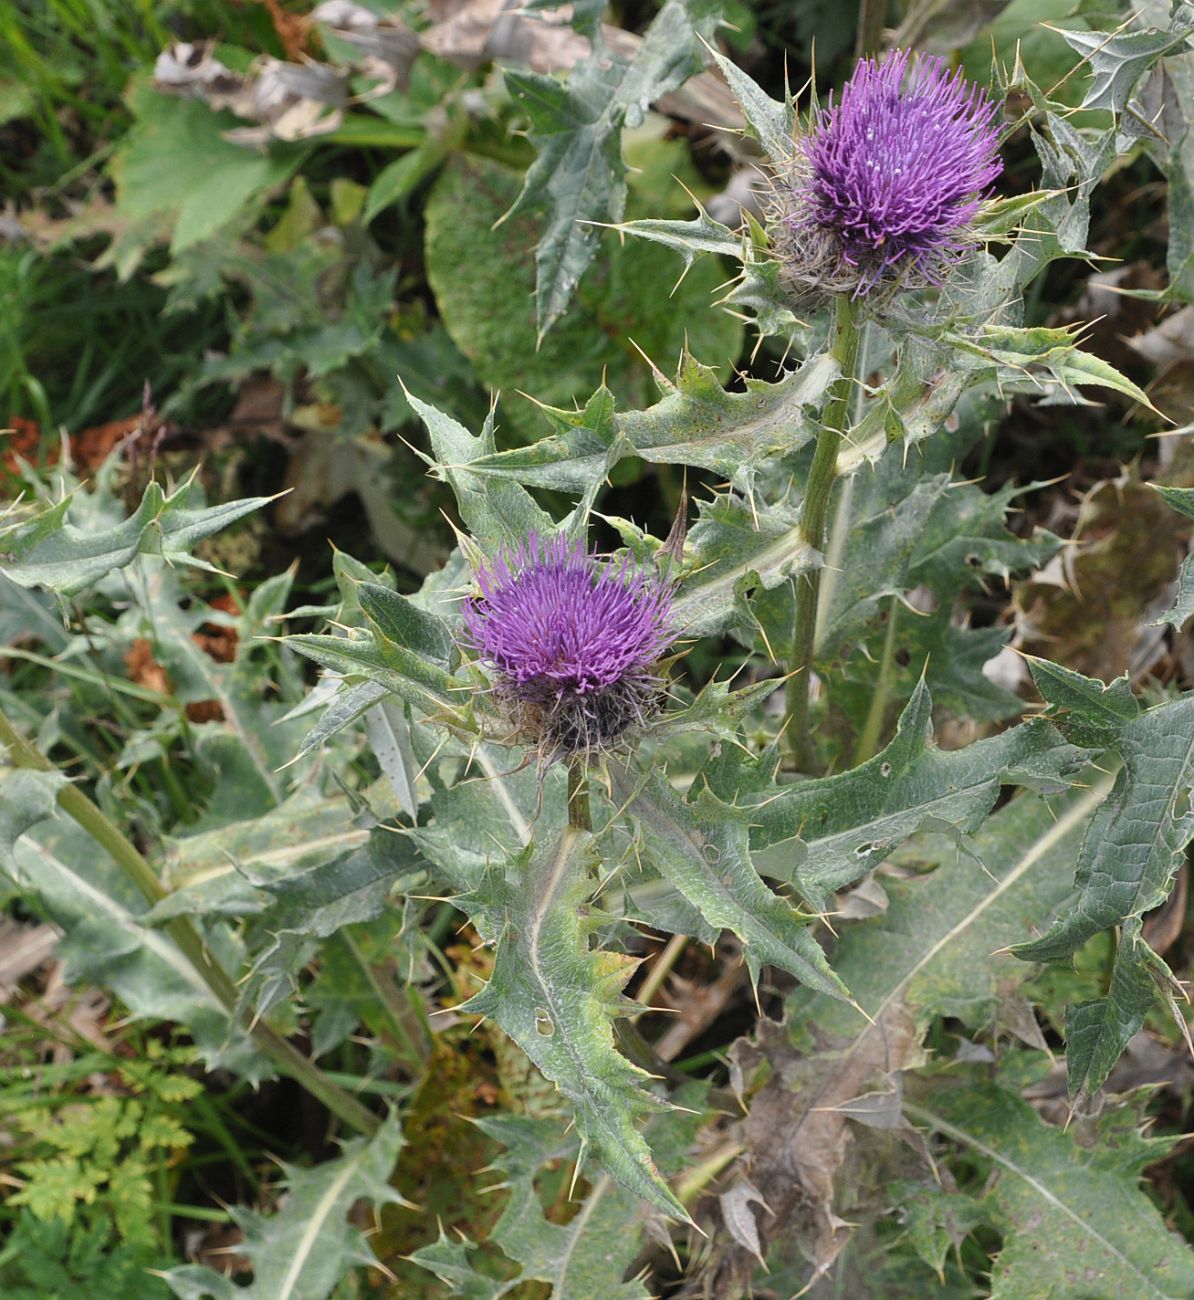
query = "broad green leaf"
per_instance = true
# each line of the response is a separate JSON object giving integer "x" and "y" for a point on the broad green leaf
{"x": 402, "y": 623}
{"x": 364, "y": 654}
{"x": 938, "y": 950}
{"x": 1017, "y": 355}
{"x": 731, "y": 552}
{"x": 448, "y": 1259}
{"x": 1088, "y": 712}
{"x": 706, "y": 857}
{"x": 589, "y": 1255}
{"x": 700, "y": 235}
{"x": 632, "y": 305}
{"x": 821, "y": 835}
{"x": 176, "y": 160}
{"x": 1135, "y": 843}
{"x": 1117, "y": 61}
{"x": 50, "y": 551}
{"x": 557, "y": 999}
{"x": 350, "y": 889}
{"x": 578, "y": 175}
{"x": 1072, "y": 1223}
{"x": 303, "y": 1250}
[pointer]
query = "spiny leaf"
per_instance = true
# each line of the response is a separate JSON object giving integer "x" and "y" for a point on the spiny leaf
{"x": 1088, "y": 712}
{"x": 1182, "y": 500}
{"x": 556, "y": 999}
{"x": 1097, "y": 1032}
{"x": 302, "y": 1251}
{"x": 590, "y": 1254}
{"x": 495, "y": 514}
{"x": 934, "y": 952}
{"x": 696, "y": 422}
{"x": 1117, "y": 61}
{"x": 733, "y": 551}
{"x": 1071, "y": 1225}
{"x": 579, "y": 175}
{"x": 706, "y": 856}
{"x": 51, "y": 551}
{"x": 1135, "y": 842}
{"x": 773, "y": 124}
{"x": 823, "y": 834}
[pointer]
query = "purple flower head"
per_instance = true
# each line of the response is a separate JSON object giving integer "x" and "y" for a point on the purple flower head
{"x": 573, "y": 642}
{"x": 890, "y": 175}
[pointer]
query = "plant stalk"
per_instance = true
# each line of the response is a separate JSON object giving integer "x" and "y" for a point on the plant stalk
{"x": 872, "y": 18}
{"x": 579, "y": 815}
{"x": 288, "y": 1059}
{"x": 843, "y": 346}
{"x": 872, "y": 728}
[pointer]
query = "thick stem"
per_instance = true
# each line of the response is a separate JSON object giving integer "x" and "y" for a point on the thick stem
{"x": 579, "y": 816}
{"x": 872, "y": 728}
{"x": 872, "y": 18}
{"x": 844, "y": 349}
{"x": 285, "y": 1055}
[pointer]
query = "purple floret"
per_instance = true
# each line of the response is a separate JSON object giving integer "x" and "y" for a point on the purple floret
{"x": 571, "y": 638}
{"x": 899, "y": 165}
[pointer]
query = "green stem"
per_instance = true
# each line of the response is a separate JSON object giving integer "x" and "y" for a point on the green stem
{"x": 843, "y": 347}
{"x": 872, "y": 18}
{"x": 579, "y": 817}
{"x": 284, "y": 1054}
{"x": 872, "y": 728}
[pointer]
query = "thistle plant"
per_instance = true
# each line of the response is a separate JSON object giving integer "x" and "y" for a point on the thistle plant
{"x": 511, "y": 751}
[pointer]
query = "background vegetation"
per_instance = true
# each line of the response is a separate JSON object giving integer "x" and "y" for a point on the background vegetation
{"x": 229, "y": 228}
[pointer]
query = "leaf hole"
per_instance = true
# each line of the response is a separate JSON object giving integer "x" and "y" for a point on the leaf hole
{"x": 884, "y": 769}
{"x": 543, "y": 1023}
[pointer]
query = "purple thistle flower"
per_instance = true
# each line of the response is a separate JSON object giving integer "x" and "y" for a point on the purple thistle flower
{"x": 890, "y": 175}
{"x": 573, "y": 642}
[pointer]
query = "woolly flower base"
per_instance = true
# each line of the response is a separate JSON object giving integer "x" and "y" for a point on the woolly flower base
{"x": 573, "y": 643}
{"x": 885, "y": 183}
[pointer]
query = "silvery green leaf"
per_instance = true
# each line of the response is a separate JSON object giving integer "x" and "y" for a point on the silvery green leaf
{"x": 1136, "y": 841}
{"x": 557, "y": 1000}
{"x": 1097, "y": 1032}
{"x": 591, "y": 1253}
{"x": 448, "y": 1259}
{"x": 939, "y": 949}
{"x": 706, "y": 856}
{"x": 349, "y": 889}
{"x": 773, "y": 124}
{"x": 389, "y": 739}
{"x": 1088, "y": 712}
{"x": 1182, "y": 500}
{"x": 731, "y": 552}
{"x": 303, "y": 1250}
{"x": 1065, "y": 1215}
{"x": 696, "y": 422}
{"x": 495, "y": 514}
{"x": 1117, "y": 61}
{"x": 108, "y": 938}
{"x": 579, "y": 175}
{"x": 823, "y": 834}
{"x": 49, "y": 550}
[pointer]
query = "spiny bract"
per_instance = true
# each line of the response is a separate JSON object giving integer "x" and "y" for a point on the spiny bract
{"x": 573, "y": 642}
